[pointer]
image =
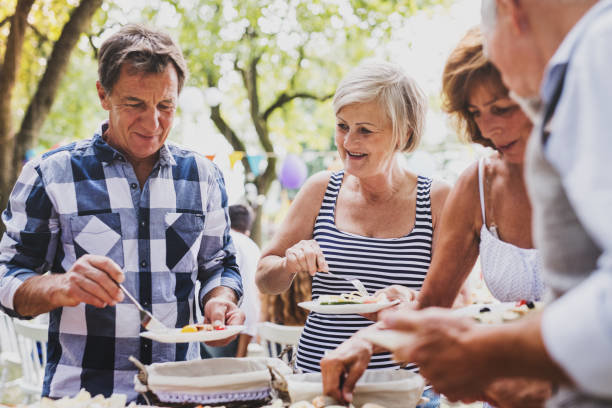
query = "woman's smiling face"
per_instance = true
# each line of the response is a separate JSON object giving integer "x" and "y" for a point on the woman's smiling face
{"x": 364, "y": 139}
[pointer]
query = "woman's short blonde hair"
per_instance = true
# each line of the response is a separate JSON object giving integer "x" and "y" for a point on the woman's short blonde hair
{"x": 466, "y": 69}
{"x": 397, "y": 94}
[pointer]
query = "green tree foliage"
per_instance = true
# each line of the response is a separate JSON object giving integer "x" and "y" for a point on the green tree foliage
{"x": 37, "y": 41}
{"x": 274, "y": 62}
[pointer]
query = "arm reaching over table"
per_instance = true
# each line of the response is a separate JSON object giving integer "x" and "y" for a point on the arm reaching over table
{"x": 342, "y": 368}
{"x": 292, "y": 249}
{"x": 461, "y": 359}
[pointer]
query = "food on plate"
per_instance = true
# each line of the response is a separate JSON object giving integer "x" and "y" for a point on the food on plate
{"x": 190, "y": 328}
{"x": 351, "y": 299}
{"x": 194, "y": 332}
{"x": 197, "y": 327}
{"x": 301, "y": 404}
{"x": 277, "y": 403}
{"x": 84, "y": 399}
{"x": 496, "y": 315}
{"x": 322, "y": 401}
{"x": 319, "y": 402}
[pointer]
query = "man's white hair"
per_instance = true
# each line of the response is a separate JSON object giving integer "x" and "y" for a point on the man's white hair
{"x": 488, "y": 13}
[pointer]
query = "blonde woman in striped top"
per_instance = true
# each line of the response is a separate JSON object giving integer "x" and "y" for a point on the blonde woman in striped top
{"x": 374, "y": 221}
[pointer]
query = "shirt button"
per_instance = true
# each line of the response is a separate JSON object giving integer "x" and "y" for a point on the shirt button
{"x": 134, "y": 186}
{"x": 143, "y": 264}
{"x": 143, "y": 223}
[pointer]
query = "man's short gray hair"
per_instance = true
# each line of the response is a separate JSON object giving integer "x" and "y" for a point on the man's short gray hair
{"x": 488, "y": 12}
{"x": 397, "y": 94}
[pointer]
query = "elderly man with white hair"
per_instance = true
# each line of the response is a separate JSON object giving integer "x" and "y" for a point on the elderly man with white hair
{"x": 555, "y": 55}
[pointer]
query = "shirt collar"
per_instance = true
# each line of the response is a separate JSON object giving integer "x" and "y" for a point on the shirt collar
{"x": 166, "y": 158}
{"x": 563, "y": 54}
{"x": 108, "y": 154}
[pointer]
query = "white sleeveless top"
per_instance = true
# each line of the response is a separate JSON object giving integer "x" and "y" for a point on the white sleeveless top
{"x": 511, "y": 273}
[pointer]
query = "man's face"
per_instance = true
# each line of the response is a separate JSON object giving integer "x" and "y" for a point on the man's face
{"x": 510, "y": 46}
{"x": 141, "y": 109}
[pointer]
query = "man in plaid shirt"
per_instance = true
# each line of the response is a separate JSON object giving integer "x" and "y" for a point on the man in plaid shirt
{"x": 123, "y": 206}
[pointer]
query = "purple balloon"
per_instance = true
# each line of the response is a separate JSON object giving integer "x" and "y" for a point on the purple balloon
{"x": 293, "y": 172}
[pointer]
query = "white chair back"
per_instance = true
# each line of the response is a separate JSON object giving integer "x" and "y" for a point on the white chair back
{"x": 9, "y": 351}
{"x": 277, "y": 337}
{"x": 8, "y": 340}
{"x": 32, "y": 337}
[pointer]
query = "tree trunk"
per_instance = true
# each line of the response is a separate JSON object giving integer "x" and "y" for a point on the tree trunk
{"x": 41, "y": 102}
{"x": 263, "y": 183}
{"x": 8, "y": 77}
{"x": 13, "y": 149}
{"x": 256, "y": 233}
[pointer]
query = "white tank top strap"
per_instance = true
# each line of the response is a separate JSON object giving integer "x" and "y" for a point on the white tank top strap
{"x": 481, "y": 164}
{"x": 510, "y": 272}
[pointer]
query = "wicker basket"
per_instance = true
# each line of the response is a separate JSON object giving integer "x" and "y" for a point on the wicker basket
{"x": 233, "y": 382}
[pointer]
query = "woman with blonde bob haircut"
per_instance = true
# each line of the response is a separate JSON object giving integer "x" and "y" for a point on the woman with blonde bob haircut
{"x": 397, "y": 94}
{"x": 373, "y": 221}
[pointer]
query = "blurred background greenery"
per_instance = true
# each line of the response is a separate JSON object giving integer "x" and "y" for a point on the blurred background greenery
{"x": 262, "y": 76}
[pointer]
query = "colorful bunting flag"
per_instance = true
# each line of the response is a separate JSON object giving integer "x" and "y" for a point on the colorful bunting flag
{"x": 235, "y": 157}
{"x": 29, "y": 154}
{"x": 254, "y": 162}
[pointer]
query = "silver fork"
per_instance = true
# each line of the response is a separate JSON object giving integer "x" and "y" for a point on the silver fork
{"x": 147, "y": 320}
{"x": 355, "y": 282}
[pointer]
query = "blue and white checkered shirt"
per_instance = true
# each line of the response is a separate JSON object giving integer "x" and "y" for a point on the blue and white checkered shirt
{"x": 84, "y": 198}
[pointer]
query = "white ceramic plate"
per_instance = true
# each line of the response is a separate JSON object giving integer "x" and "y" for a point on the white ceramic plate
{"x": 389, "y": 339}
{"x": 176, "y": 336}
{"x": 355, "y": 308}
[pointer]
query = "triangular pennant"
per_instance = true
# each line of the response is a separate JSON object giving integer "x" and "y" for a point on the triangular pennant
{"x": 210, "y": 157}
{"x": 234, "y": 157}
{"x": 30, "y": 154}
{"x": 254, "y": 163}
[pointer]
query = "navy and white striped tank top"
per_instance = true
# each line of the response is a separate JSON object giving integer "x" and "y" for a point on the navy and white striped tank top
{"x": 377, "y": 262}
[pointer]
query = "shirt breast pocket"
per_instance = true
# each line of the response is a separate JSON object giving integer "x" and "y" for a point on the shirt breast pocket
{"x": 183, "y": 239}
{"x": 98, "y": 234}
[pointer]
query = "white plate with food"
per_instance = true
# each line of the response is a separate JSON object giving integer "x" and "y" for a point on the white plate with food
{"x": 193, "y": 332}
{"x": 501, "y": 312}
{"x": 348, "y": 303}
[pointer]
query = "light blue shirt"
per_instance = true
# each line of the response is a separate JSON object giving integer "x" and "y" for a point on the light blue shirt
{"x": 577, "y": 328}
